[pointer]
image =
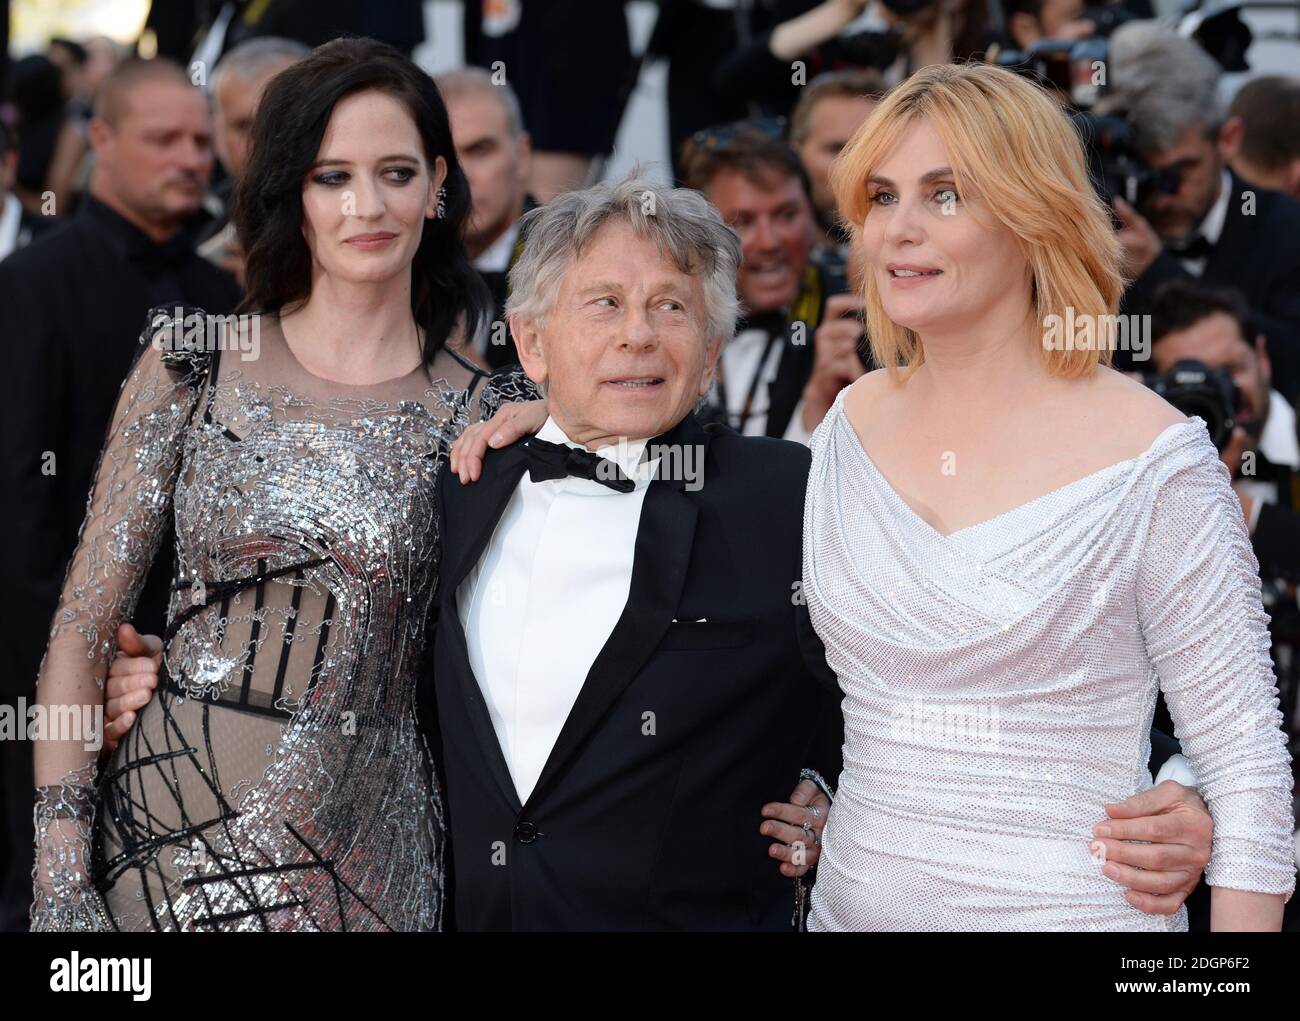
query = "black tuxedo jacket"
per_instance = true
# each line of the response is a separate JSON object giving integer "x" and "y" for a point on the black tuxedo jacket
{"x": 1275, "y": 536}
{"x": 646, "y": 814}
{"x": 1256, "y": 254}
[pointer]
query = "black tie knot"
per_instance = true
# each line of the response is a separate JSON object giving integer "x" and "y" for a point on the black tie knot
{"x": 547, "y": 461}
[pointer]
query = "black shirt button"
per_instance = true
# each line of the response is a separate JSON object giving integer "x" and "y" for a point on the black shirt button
{"x": 526, "y": 833}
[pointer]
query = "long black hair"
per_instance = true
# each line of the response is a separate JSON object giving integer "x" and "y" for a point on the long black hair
{"x": 291, "y": 119}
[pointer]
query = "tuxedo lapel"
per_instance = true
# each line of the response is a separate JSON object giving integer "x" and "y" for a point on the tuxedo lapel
{"x": 468, "y": 526}
{"x": 1232, "y": 252}
{"x": 471, "y": 512}
{"x": 664, "y": 541}
{"x": 786, "y": 387}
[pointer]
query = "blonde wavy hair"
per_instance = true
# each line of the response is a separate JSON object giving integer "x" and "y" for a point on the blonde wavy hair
{"x": 1011, "y": 144}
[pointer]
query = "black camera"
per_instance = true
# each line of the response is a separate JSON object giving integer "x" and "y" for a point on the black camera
{"x": 1115, "y": 164}
{"x": 1195, "y": 389}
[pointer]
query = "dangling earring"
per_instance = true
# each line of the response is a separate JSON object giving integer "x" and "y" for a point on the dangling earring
{"x": 441, "y": 196}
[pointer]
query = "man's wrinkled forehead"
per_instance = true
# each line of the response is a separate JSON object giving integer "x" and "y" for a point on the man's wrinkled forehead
{"x": 614, "y": 258}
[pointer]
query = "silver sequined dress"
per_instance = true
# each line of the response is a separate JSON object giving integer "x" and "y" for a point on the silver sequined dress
{"x": 999, "y": 684}
{"x": 278, "y": 780}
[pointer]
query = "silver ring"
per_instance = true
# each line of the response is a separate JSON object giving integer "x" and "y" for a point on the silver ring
{"x": 816, "y": 812}
{"x": 808, "y": 831}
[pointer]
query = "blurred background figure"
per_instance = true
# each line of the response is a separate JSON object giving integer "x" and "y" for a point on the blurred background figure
{"x": 1261, "y": 449}
{"x": 237, "y": 84}
{"x": 43, "y": 129}
{"x": 496, "y": 154}
{"x": 1201, "y": 220}
{"x": 206, "y": 31}
{"x": 829, "y": 111}
{"x": 74, "y": 305}
{"x": 798, "y": 341}
{"x": 18, "y": 224}
{"x": 1268, "y": 108}
{"x": 572, "y": 92}
{"x": 1028, "y": 21}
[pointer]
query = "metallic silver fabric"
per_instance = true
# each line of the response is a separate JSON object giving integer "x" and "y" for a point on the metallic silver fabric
{"x": 999, "y": 685}
{"x": 278, "y": 779}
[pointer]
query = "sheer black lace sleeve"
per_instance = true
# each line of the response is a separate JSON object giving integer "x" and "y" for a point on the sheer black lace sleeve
{"x": 126, "y": 513}
{"x": 507, "y": 385}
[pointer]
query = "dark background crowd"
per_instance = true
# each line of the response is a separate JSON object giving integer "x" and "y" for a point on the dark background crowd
{"x": 118, "y": 159}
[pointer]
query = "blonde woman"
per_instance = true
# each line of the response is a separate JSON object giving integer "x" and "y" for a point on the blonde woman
{"x": 1008, "y": 546}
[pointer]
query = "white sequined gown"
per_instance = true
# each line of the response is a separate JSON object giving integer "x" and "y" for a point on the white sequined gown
{"x": 999, "y": 685}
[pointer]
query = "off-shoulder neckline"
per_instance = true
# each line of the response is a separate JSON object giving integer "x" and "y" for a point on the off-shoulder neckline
{"x": 1195, "y": 422}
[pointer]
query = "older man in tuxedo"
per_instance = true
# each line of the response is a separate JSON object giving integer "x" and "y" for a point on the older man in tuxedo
{"x": 624, "y": 669}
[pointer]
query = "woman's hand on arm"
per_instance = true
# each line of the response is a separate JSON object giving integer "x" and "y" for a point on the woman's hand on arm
{"x": 513, "y": 422}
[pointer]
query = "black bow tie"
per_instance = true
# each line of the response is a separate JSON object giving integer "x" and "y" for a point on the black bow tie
{"x": 1199, "y": 247}
{"x": 548, "y": 461}
{"x": 771, "y": 323}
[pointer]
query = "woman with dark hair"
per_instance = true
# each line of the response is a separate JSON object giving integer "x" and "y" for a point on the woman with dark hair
{"x": 278, "y": 779}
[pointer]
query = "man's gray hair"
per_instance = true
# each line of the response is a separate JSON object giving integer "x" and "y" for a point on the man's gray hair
{"x": 685, "y": 225}
{"x": 1165, "y": 84}
{"x": 467, "y": 80}
{"x": 255, "y": 57}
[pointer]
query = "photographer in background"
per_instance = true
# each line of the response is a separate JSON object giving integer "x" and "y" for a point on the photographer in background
{"x": 1029, "y": 21}
{"x": 799, "y": 340}
{"x": 1269, "y": 110}
{"x": 1205, "y": 223}
{"x": 830, "y": 111}
{"x": 1258, "y": 441}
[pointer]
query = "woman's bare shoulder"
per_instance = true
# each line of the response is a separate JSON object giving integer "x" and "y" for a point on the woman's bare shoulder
{"x": 1136, "y": 415}
{"x": 869, "y": 391}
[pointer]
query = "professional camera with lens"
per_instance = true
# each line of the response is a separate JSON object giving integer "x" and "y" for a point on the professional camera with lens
{"x": 1115, "y": 164}
{"x": 1195, "y": 389}
{"x": 1073, "y": 69}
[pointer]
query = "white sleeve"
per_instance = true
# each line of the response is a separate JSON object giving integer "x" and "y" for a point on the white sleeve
{"x": 1207, "y": 638}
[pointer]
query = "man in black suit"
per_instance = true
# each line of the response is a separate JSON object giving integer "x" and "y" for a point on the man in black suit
{"x": 624, "y": 672}
{"x": 73, "y": 302}
{"x": 1207, "y": 224}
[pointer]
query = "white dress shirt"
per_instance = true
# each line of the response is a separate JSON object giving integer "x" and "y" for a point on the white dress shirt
{"x": 1278, "y": 444}
{"x": 11, "y": 218}
{"x": 495, "y": 258}
{"x": 544, "y": 597}
{"x": 1212, "y": 226}
{"x": 740, "y": 360}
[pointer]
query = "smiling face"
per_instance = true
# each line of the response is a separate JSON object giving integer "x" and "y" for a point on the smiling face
{"x": 775, "y": 223}
{"x": 366, "y": 198}
{"x": 623, "y": 351}
{"x": 940, "y": 260}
